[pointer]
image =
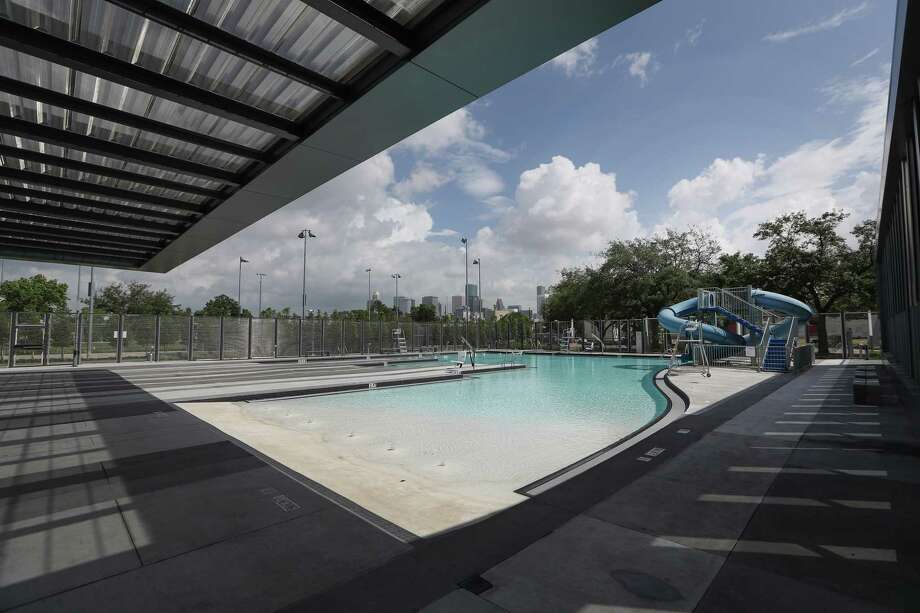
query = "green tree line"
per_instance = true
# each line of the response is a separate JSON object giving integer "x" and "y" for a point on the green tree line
{"x": 806, "y": 258}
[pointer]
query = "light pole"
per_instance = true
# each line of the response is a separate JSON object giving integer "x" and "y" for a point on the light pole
{"x": 397, "y": 277}
{"x": 368, "y": 271}
{"x": 478, "y": 264}
{"x": 466, "y": 284}
{"x": 261, "y": 276}
{"x": 239, "y": 287}
{"x": 304, "y": 234}
{"x": 79, "y": 281}
{"x": 92, "y": 300}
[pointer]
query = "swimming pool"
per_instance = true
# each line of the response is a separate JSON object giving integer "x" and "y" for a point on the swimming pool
{"x": 453, "y": 450}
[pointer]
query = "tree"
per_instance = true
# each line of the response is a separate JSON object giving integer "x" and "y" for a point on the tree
{"x": 136, "y": 298}
{"x": 808, "y": 259}
{"x": 862, "y": 295}
{"x": 637, "y": 277}
{"x": 381, "y": 311}
{"x": 36, "y": 294}
{"x": 222, "y": 306}
{"x": 423, "y": 312}
{"x": 739, "y": 270}
{"x": 270, "y": 313}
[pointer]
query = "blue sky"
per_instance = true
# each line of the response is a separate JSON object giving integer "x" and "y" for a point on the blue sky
{"x": 712, "y": 113}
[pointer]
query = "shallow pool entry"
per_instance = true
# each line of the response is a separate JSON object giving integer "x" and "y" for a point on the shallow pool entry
{"x": 509, "y": 427}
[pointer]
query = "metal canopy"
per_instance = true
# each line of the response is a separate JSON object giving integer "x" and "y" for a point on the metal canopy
{"x": 138, "y": 133}
{"x": 125, "y": 121}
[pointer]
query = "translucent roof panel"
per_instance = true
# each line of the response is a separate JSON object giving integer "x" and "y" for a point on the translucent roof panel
{"x": 405, "y": 12}
{"x": 88, "y": 196}
{"x": 100, "y": 160}
{"x": 94, "y": 179}
{"x": 115, "y": 217}
{"x": 290, "y": 29}
{"x": 131, "y": 38}
{"x": 35, "y": 71}
{"x": 62, "y": 225}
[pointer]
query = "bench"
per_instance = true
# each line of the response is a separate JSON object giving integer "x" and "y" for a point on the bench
{"x": 866, "y": 388}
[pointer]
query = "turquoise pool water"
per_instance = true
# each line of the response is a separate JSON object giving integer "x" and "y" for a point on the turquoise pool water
{"x": 513, "y": 426}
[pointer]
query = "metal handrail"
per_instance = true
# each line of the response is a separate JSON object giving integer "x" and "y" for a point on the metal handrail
{"x": 764, "y": 344}
{"x": 733, "y": 303}
{"x": 790, "y": 339}
{"x": 469, "y": 350}
{"x": 598, "y": 339}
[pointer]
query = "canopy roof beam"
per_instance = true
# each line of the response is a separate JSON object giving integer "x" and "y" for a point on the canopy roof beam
{"x": 78, "y": 105}
{"x": 73, "y": 140}
{"x": 216, "y": 37}
{"x": 367, "y": 21}
{"x": 65, "y": 53}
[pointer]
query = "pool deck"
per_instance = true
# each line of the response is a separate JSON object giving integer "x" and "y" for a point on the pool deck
{"x": 784, "y": 495}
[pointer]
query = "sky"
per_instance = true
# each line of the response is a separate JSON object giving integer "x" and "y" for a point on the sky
{"x": 719, "y": 114}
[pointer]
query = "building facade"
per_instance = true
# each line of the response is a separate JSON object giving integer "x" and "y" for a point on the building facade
{"x": 433, "y": 301}
{"x": 898, "y": 239}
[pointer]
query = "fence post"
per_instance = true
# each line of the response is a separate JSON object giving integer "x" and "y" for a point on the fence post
{"x": 342, "y": 345}
{"x": 77, "y": 340}
{"x": 118, "y": 341}
{"x": 14, "y": 322}
{"x": 46, "y": 338}
{"x": 249, "y": 340}
{"x": 322, "y": 337}
{"x": 220, "y": 338}
{"x": 843, "y": 335}
{"x": 300, "y": 337}
{"x": 191, "y": 332}
{"x": 275, "y": 339}
{"x": 156, "y": 339}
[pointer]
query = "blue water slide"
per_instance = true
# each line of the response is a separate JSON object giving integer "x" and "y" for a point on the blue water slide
{"x": 673, "y": 317}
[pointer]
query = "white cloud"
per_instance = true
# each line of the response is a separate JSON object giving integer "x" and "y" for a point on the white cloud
{"x": 578, "y": 61}
{"x": 453, "y": 149}
{"x": 723, "y": 182}
{"x": 563, "y": 208}
{"x": 410, "y": 222}
{"x": 865, "y": 58}
{"x": 423, "y": 179}
{"x": 828, "y": 23}
{"x": 459, "y": 131}
{"x": 731, "y": 197}
{"x": 478, "y": 180}
{"x": 691, "y": 37}
{"x": 638, "y": 64}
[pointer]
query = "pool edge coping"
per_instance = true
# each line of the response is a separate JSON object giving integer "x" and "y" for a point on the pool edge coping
{"x": 678, "y": 402}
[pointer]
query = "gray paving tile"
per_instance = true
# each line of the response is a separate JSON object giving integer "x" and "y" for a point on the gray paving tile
{"x": 49, "y": 553}
{"x": 305, "y": 555}
{"x": 589, "y": 564}
{"x": 462, "y": 601}
{"x": 170, "y": 521}
{"x": 740, "y": 587}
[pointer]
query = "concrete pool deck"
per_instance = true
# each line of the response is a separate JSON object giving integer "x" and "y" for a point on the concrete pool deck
{"x": 783, "y": 496}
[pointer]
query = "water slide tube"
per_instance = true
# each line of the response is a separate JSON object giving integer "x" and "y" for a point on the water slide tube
{"x": 673, "y": 318}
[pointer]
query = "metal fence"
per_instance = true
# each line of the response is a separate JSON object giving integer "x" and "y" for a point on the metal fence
{"x": 36, "y": 338}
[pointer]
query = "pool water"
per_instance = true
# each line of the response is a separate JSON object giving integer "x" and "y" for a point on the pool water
{"x": 510, "y": 427}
